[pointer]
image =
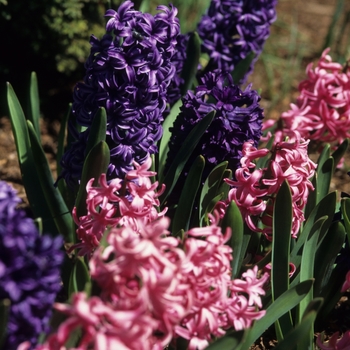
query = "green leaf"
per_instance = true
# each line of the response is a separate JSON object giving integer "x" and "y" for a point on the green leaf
{"x": 338, "y": 154}
{"x": 233, "y": 220}
{"x": 325, "y": 154}
{"x": 311, "y": 199}
{"x": 79, "y": 277}
{"x": 62, "y": 138}
{"x": 326, "y": 207}
{"x": 4, "y": 315}
{"x": 332, "y": 294}
{"x": 66, "y": 193}
{"x": 307, "y": 261}
{"x": 345, "y": 209}
{"x": 287, "y": 301}
{"x": 164, "y": 141}
{"x": 30, "y": 178}
{"x": 232, "y": 340}
{"x": 98, "y": 129}
{"x": 34, "y": 111}
{"x": 96, "y": 163}
{"x": 326, "y": 255}
{"x": 144, "y": 7}
{"x": 282, "y": 227}
{"x": 224, "y": 187}
{"x": 184, "y": 154}
{"x": 189, "y": 70}
{"x": 242, "y": 68}
{"x": 54, "y": 201}
{"x": 298, "y": 338}
{"x": 210, "y": 190}
{"x": 183, "y": 211}
{"x": 210, "y": 208}
{"x": 324, "y": 177}
{"x": 314, "y": 305}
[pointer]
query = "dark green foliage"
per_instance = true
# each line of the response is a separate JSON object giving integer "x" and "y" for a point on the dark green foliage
{"x": 50, "y": 37}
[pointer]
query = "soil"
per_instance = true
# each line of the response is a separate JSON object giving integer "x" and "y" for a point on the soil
{"x": 311, "y": 20}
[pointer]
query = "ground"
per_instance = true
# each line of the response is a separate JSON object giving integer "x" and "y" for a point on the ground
{"x": 297, "y": 39}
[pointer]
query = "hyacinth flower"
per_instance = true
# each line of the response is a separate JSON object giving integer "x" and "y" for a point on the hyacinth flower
{"x": 118, "y": 202}
{"x": 254, "y": 189}
{"x": 238, "y": 119}
{"x": 322, "y": 109}
{"x": 334, "y": 343}
{"x": 153, "y": 291}
{"x": 128, "y": 73}
{"x": 29, "y": 271}
{"x": 231, "y": 30}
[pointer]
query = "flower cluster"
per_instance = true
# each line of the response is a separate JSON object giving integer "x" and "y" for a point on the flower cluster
{"x": 218, "y": 302}
{"x": 29, "y": 271}
{"x": 178, "y": 60}
{"x": 322, "y": 110}
{"x": 123, "y": 202}
{"x": 254, "y": 190}
{"x": 231, "y": 30}
{"x": 128, "y": 73}
{"x": 153, "y": 291}
{"x": 238, "y": 119}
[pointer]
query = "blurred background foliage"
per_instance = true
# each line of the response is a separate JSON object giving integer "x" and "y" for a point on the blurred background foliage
{"x": 51, "y": 37}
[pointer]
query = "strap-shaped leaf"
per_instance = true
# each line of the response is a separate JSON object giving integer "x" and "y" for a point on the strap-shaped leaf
{"x": 311, "y": 199}
{"x": 34, "y": 110}
{"x": 298, "y": 338}
{"x": 307, "y": 262}
{"x": 338, "y": 154}
{"x": 96, "y": 163}
{"x": 345, "y": 209}
{"x": 54, "y": 201}
{"x": 332, "y": 294}
{"x": 232, "y": 340}
{"x": 189, "y": 69}
{"x": 281, "y": 228}
{"x": 164, "y": 141}
{"x": 326, "y": 255}
{"x": 326, "y": 207}
{"x": 184, "y": 153}
{"x": 183, "y": 211}
{"x": 62, "y": 138}
{"x": 210, "y": 189}
{"x": 324, "y": 177}
{"x": 98, "y": 129}
{"x": 233, "y": 219}
{"x": 242, "y": 68}
{"x": 224, "y": 187}
{"x": 287, "y": 301}
{"x": 30, "y": 178}
{"x": 79, "y": 277}
{"x": 324, "y": 173}
{"x": 66, "y": 193}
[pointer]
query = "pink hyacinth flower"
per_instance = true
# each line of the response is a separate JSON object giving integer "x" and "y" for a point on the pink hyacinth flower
{"x": 334, "y": 343}
{"x": 254, "y": 190}
{"x": 322, "y": 109}
{"x": 346, "y": 284}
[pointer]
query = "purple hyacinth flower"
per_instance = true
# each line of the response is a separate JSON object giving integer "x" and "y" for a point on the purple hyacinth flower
{"x": 238, "y": 119}
{"x": 128, "y": 73}
{"x": 232, "y": 29}
{"x": 178, "y": 60}
{"x": 29, "y": 271}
